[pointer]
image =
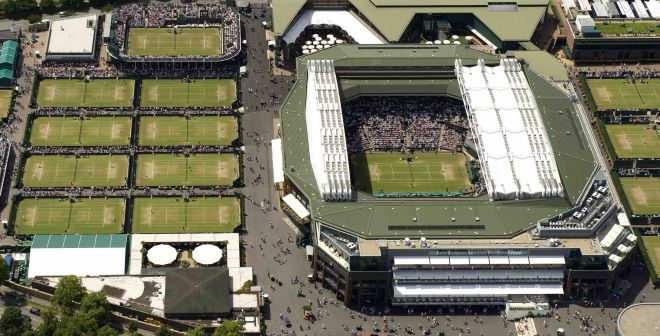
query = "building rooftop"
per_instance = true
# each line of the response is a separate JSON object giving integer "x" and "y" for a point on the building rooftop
{"x": 371, "y": 217}
{"x": 73, "y": 36}
{"x": 197, "y": 291}
{"x": 391, "y": 19}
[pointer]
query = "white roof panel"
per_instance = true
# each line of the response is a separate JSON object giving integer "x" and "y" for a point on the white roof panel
{"x": 77, "y": 261}
{"x": 278, "y": 161}
{"x": 73, "y": 36}
{"x": 296, "y": 206}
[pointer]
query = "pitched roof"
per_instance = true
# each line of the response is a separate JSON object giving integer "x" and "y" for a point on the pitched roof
{"x": 197, "y": 291}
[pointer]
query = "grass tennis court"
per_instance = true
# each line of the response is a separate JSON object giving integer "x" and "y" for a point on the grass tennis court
{"x": 175, "y": 131}
{"x": 75, "y": 131}
{"x": 643, "y": 194}
{"x": 79, "y": 93}
{"x": 182, "y": 93}
{"x": 617, "y": 94}
{"x": 634, "y": 141}
{"x": 176, "y": 215}
{"x": 652, "y": 245}
{"x": 55, "y": 215}
{"x": 165, "y": 42}
{"x": 181, "y": 170}
{"x": 69, "y": 171}
{"x": 428, "y": 172}
{"x": 5, "y": 102}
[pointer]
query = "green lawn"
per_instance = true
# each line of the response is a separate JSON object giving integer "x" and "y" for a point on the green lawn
{"x": 5, "y": 102}
{"x": 175, "y": 215}
{"x": 78, "y": 93}
{"x": 200, "y": 130}
{"x": 74, "y": 131}
{"x": 69, "y": 171}
{"x": 85, "y": 215}
{"x": 181, "y": 93}
{"x": 643, "y": 194}
{"x": 428, "y": 172}
{"x": 179, "y": 170}
{"x": 164, "y": 42}
{"x": 617, "y": 94}
{"x": 629, "y": 28}
{"x": 634, "y": 141}
{"x": 652, "y": 245}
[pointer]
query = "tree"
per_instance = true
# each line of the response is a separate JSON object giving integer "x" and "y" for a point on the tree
{"x": 164, "y": 331}
{"x": 198, "y": 331}
{"x": 14, "y": 323}
{"x": 72, "y": 4}
{"x": 48, "y": 6}
{"x": 68, "y": 293}
{"x": 34, "y": 18}
{"x": 49, "y": 324}
{"x": 132, "y": 327}
{"x": 229, "y": 328}
{"x": 4, "y": 272}
{"x": 95, "y": 307}
{"x": 106, "y": 331}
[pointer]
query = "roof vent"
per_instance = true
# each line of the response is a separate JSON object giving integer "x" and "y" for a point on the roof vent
{"x": 453, "y": 219}
{"x": 476, "y": 218}
{"x": 414, "y": 219}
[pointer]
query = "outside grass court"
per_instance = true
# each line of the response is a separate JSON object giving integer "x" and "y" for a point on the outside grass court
{"x": 175, "y": 215}
{"x": 643, "y": 194}
{"x": 60, "y": 215}
{"x": 182, "y": 93}
{"x": 5, "y": 101}
{"x": 69, "y": 171}
{"x": 75, "y": 131}
{"x": 181, "y": 170}
{"x": 428, "y": 172}
{"x": 164, "y": 42}
{"x": 652, "y": 245}
{"x": 617, "y": 94}
{"x": 634, "y": 141}
{"x": 180, "y": 131}
{"x": 78, "y": 93}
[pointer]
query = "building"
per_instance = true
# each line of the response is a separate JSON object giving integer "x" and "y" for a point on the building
{"x": 597, "y": 30}
{"x": 553, "y": 232}
{"x": 80, "y": 255}
{"x": 638, "y": 319}
{"x": 73, "y": 39}
{"x": 197, "y": 293}
{"x": 8, "y": 57}
{"x": 386, "y": 21}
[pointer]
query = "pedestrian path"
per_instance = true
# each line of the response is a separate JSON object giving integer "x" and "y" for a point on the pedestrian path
{"x": 526, "y": 327}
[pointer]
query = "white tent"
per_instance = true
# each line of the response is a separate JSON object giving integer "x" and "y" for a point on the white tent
{"x": 207, "y": 254}
{"x": 162, "y": 254}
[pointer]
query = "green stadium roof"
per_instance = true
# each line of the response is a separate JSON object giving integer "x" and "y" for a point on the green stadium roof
{"x": 80, "y": 241}
{"x": 392, "y": 17}
{"x": 372, "y": 217}
{"x": 9, "y": 52}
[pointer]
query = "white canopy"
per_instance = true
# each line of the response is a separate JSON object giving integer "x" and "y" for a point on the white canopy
{"x": 207, "y": 254}
{"x": 162, "y": 254}
{"x": 345, "y": 19}
{"x": 295, "y": 205}
{"x": 278, "y": 166}
{"x": 472, "y": 290}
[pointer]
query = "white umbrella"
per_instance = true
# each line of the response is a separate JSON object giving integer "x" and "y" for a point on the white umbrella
{"x": 330, "y": 36}
{"x": 305, "y": 51}
{"x": 454, "y": 37}
{"x": 319, "y": 47}
{"x": 324, "y": 42}
{"x": 207, "y": 254}
{"x": 316, "y": 42}
{"x": 162, "y": 254}
{"x": 326, "y": 46}
{"x": 308, "y": 42}
{"x": 446, "y": 42}
{"x": 331, "y": 42}
{"x": 315, "y": 35}
{"x": 457, "y": 42}
{"x": 468, "y": 37}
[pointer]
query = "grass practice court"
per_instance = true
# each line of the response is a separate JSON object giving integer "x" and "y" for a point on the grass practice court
{"x": 643, "y": 194}
{"x": 75, "y": 131}
{"x": 5, "y": 102}
{"x": 619, "y": 94}
{"x": 181, "y": 170}
{"x": 174, "y": 42}
{"x": 180, "y": 131}
{"x": 427, "y": 172}
{"x": 175, "y": 215}
{"x": 60, "y": 215}
{"x": 70, "y": 171}
{"x": 652, "y": 245}
{"x": 628, "y": 28}
{"x": 183, "y": 93}
{"x": 634, "y": 141}
{"x": 80, "y": 93}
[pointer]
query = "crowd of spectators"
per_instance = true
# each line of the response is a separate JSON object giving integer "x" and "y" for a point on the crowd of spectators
{"x": 161, "y": 15}
{"x": 404, "y": 124}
